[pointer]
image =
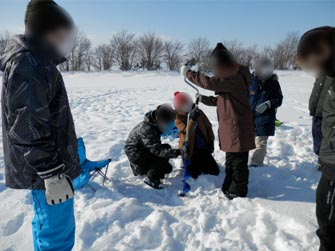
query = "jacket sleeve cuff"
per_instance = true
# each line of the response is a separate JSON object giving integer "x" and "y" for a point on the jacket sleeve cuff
{"x": 51, "y": 172}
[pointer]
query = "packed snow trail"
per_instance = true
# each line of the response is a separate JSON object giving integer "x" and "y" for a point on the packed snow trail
{"x": 126, "y": 215}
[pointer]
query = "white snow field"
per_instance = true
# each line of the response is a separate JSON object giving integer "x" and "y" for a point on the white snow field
{"x": 126, "y": 215}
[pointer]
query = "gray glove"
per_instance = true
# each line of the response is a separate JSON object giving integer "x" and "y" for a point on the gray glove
{"x": 263, "y": 107}
{"x": 58, "y": 186}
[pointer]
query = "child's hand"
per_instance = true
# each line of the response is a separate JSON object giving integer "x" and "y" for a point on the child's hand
{"x": 175, "y": 153}
{"x": 194, "y": 115}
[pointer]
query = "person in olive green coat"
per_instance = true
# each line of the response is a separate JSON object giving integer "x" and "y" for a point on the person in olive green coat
{"x": 316, "y": 52}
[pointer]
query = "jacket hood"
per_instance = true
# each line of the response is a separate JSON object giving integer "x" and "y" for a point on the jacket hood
{"x": 36, "y": 45}
{"x": 273, "y": 77}
{"x": 312, "y": 41}
{"x": 149, "y": 117}
{"x": 15, "y": 46}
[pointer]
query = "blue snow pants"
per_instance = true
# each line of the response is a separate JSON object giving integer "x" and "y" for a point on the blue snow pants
{"x": 53, "y": 226}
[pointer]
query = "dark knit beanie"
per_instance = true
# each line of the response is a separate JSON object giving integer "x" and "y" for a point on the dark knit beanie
{"x": 43, "y": 16}
{"x": 165, "y": 113}
{"x": 221, "y": 56}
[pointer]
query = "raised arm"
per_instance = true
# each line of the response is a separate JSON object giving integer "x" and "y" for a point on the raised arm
{"x": 208, "y": 83}
{"x": 209, "y": 101}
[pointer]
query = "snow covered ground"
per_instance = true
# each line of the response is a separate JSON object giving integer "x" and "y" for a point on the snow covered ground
{"x": 126, "y": 215}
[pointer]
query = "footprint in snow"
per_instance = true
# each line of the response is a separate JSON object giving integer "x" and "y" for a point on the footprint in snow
{"x": 13, "y": 225}
{"x": 10, "y": 249}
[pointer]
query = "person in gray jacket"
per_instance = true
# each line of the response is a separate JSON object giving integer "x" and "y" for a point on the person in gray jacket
{"x": 39, "y": 138}
{"x": 316, "y": 52}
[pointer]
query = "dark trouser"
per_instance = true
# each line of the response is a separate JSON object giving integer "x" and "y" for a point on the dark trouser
{"x": 324, "y": 202}
{"x": 317, "y": 134}
{"x": 153, "y": 167}
{"x": 237, "y": 174}
{"x": 202, "y": 162}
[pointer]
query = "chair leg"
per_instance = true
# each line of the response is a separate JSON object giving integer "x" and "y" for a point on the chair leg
{"x": 105, "y": 176}
{"x": 102, "y": 174}
{"x": 95, "y": 173}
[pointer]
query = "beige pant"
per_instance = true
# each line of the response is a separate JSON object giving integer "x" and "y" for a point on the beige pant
{"x": 259, "y": 154}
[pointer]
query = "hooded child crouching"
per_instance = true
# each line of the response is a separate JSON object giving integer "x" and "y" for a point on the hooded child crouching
{"x": 144, "y": 149}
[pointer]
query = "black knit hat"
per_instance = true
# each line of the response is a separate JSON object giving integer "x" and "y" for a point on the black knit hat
{"x": 221, "y": 56}
{"x": 165, "y": 113}
{"x": 43, "y": 16}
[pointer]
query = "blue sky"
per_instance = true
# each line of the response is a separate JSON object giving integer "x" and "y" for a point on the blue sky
{"x": 258, "y": 22}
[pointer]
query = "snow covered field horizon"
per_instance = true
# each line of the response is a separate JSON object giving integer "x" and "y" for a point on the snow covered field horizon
{"x": 126, "y": 215}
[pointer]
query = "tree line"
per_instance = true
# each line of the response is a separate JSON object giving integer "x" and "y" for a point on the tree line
{"x": 149, "y": 51}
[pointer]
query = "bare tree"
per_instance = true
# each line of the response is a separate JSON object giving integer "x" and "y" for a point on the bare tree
{"x": 89, "y": 59}
{"x": 4, "y": 42}
{"x": 173, "y": 54}
{"x": 249, "y": 56}
{"x": 244, "y": 55}
{"x": 104, "y": 57}
{"x": 124, "y": 47}
{"x": 267, "y": 52}
{"x": 285, "y": 51}
{"x": 80, "y": 58}
{"x": 151, "y": 49}
{"x": 199, "y": 51}
{"x": 80, "y": 52}
{"x": 236, "y": 48}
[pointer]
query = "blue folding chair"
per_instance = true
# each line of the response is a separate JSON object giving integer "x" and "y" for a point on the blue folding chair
{"x": 90, "y": 169}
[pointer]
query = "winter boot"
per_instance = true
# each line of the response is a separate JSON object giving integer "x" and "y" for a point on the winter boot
{"x": 155, "y": 184}
{"x": 229, "y": 196}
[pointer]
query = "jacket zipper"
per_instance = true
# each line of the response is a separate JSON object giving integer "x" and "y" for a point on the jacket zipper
{"x": 328, "y": 197}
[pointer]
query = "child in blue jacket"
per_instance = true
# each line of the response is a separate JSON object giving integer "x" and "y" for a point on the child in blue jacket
{"x": 265, "y": 97}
